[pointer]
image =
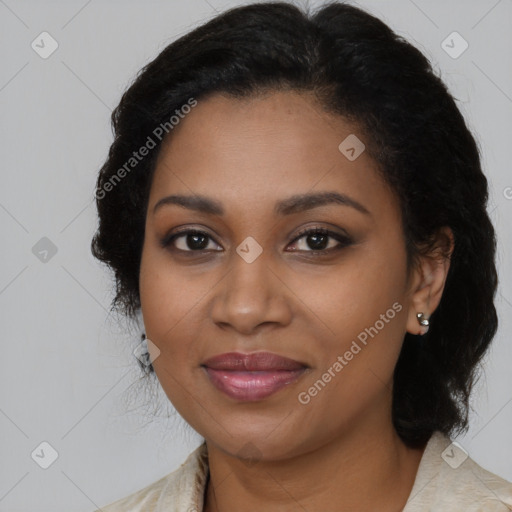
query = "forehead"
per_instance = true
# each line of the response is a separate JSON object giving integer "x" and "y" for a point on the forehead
{"x": 254, "y": 151}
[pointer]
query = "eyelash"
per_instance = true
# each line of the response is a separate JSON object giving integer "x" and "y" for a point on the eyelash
{"x": 344, "y": 240}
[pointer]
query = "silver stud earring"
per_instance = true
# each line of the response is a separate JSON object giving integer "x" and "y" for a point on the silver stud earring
{"x": 424, "y": 322}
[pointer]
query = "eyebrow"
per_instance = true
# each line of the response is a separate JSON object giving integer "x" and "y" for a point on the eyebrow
{"x": 291, "y": 205}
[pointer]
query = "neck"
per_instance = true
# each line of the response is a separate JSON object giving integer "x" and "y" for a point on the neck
{"x": 367, "y": 469}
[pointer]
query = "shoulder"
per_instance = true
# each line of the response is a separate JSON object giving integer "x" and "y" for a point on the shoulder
{"x": 180, "y": 490}
{"x": 449, "y": 480}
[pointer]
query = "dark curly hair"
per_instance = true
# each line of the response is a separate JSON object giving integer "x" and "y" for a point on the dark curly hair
{"x": 358, "y": 68}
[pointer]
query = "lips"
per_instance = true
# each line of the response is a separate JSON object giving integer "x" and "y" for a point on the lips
{"x": 252, "y": 377}
{"x": 259, "y": 361}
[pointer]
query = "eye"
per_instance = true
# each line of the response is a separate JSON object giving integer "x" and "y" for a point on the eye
{"x": 193, "y": 241}
{"x": 318, "y": 238}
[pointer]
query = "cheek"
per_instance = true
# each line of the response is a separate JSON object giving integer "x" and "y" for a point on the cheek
{"x": 173, "y": 308}
{"x": 355, "y": 294}
{"x": 362, "y": 305}
{"x": 165, "y": 303}
{"x": 357, "y": 355}
{"x": 166, "y": 296}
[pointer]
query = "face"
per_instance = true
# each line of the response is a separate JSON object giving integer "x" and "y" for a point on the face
{"x": 242, "y": 275}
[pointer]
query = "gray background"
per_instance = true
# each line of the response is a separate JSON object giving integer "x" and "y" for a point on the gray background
{"x": 68, "y": 376}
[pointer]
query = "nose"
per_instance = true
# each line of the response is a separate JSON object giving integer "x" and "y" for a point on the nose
{"x": 251, "y": 295}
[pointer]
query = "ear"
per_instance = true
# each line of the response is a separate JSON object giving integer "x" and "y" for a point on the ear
{"x": 428, "y": 280}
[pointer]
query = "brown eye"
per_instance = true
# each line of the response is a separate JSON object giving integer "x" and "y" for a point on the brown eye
{"x": 318, "y": 240}
{"x": 193, "y": 241}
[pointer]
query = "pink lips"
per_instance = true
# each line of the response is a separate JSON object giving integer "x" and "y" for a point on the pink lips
{"x": 252, "y": 377}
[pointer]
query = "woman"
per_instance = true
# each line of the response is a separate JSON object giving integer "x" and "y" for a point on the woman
{"x": 297, "y": 208}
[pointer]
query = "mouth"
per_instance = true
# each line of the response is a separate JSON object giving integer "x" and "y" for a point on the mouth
{"x": 252, "y": 377}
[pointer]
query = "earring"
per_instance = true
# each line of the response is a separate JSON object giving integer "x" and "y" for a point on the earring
{"x": 424, "y": 322}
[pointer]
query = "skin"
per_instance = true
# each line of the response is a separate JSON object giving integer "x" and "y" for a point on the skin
{"x": 339, "y": 452}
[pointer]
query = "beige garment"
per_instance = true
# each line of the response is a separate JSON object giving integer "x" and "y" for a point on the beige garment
{"x": 447, "y": 481}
